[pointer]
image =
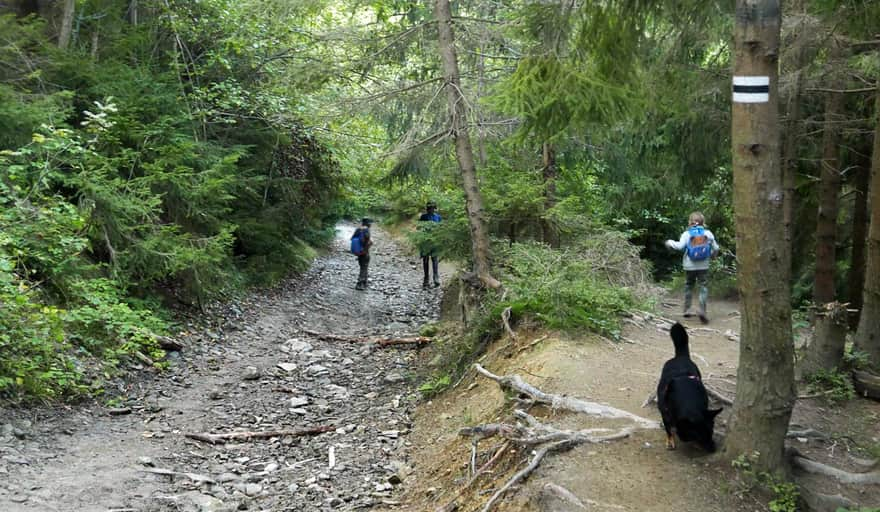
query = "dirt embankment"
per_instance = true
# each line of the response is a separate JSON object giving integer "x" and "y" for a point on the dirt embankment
{"x": 637, "y": 473}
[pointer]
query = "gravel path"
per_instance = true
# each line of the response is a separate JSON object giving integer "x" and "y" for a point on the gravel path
{"x": 256, "y": 369}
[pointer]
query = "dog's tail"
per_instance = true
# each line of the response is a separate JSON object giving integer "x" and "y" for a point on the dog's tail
{"x": 680, "y": 340}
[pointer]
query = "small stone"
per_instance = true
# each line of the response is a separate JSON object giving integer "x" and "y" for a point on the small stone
{"x": 146, "y": 461}
{"x": 295, "y": 345}
{"x": 335, "y": 502}
{"x": 253, "y": 489}
{"x": 394, "y": 377}
{"x": 251, "y": 373}
{"x": 299, "y": 401}
{"x": 215, "y": 394}
{"x": 288, "y": 367}
{"x": 227, "y": 477}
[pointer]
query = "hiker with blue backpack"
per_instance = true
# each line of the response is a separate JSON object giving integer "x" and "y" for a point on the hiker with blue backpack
{"x": 428, "y": 248}
{"x": 699, "y": 246}
{"x": 360, "y": 247}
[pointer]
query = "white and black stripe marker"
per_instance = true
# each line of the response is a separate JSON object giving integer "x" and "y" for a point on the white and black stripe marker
{"x": 751, "y": 89}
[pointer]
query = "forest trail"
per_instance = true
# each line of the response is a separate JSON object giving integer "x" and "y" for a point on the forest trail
{"x": 259, "y": 371}
{"x": 262, "y": 370}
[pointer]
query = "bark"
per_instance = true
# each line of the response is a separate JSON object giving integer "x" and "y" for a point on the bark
{"x": 792, "y": 132}
{"x": 765, "y": 390}
{"x": 826, "y": 350}
{"x": 856, "y": 275}
{"x": 829, "y": 192}
{"x": 133, "y": 12}
{"x": 463, "y": 150}
{"x": 95, "y": 42}
{"x": 867, "y": 337}
{"x": 549, "y": 171}
{"x": 66, "y": 24}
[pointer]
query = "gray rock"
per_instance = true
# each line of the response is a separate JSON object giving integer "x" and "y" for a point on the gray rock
{"x": 299, "y": 401}
{"x": 394, "y": 377}
{"x": 295, "y": 345}
{"x": 251, "y": 373}
{"x": 288, "y": 367}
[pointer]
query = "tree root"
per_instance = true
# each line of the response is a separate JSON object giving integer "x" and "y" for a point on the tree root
{"x": 844, "y": 477}
{"x": 516, "y": 383}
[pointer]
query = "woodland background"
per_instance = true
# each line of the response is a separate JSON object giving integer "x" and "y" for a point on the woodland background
{"x": 159, "y": 154}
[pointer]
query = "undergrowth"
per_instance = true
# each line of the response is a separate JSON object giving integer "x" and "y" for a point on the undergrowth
{"x": 583, "y": 287}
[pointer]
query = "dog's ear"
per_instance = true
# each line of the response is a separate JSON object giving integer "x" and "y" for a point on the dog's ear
{"x": 714, "y": 412}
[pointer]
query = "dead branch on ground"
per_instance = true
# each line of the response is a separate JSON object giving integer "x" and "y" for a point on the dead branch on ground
{"x": 515, "y": 382}
{"x": 382, "y": 341}
{"x": 247, "y": 436}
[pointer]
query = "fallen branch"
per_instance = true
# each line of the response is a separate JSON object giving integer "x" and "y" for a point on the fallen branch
{"x": 246, "y": 436}
{"x": 200, "y": 479}
{"x": 516, "y": 383}
{"x": 844, "y": 477}
{"x": 382, "y": 341}
{"x": 522, "y": 475}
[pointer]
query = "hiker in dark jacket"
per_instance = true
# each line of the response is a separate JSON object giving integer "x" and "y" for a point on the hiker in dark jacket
{"x": 428, "y": 250}
{"x": 364, "y": 255}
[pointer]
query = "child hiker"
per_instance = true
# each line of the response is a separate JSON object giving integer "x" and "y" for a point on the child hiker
{"x": 360, "y": 247}
{"x": 699, "y": 246}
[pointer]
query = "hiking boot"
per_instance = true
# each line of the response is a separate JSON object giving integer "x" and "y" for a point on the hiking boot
{"x": 436, "y": 283}
{"x": 703, "y": 318}
{"x": 360, "y": 286}
{"x": 688, "y": 314}
{"x": 425, "y": 284}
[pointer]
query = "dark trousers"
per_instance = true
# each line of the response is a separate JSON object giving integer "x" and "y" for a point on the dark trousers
{"x": 364, "y": 263}
{"x": 700, "y": 279}
{"x": 435, "y": 264}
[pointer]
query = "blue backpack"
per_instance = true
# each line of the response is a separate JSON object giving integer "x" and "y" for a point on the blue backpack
{"x": 358, "y": 242}
{"x": 699, "y": 247}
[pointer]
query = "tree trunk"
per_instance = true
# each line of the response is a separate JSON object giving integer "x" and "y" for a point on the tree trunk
{"x": 548, "y": 231}
{"x": 95, "y": 42}
{"x": 792, "y": 132}
{"x": 826, "y": 351}
{"x": 66, "y": 24}
{"x": 765, "y": 379}
{"x": 133, "y": 12}
{"x": 463, "y": 149}
{"x": 856, "y": 275}
{"x": 868, "y": 336}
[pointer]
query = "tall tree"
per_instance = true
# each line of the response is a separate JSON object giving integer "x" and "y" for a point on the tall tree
{"x": 826, "y": 350}
{"x": 66, "y": 31}
{"x": 860, "y": 220}
{"x": 463, "y": 150}
{"x": 868, "y": 335}
{"x": 765, "y": 378}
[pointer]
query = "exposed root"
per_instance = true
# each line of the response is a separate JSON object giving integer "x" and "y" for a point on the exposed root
{"x": 516, "y": 383}
{"x": 844, "y": 477}
{"x": 505, "y": 319}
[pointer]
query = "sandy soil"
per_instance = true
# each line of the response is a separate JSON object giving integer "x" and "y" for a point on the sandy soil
{"x": 637, "y": 473}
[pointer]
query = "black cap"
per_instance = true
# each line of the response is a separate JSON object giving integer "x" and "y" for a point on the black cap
{"x": 366, "y": 222}
{"x": 431, "y": 204}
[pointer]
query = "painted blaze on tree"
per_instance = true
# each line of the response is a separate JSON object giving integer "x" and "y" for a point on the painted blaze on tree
{"x": 765, "y": 378}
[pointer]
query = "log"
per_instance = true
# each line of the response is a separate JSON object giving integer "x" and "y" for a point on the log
{"x": 516, "y": 383}
{"x": 867, "y": 384}
{"x": 247, "y": 436}
{"x": 169, "y": 344}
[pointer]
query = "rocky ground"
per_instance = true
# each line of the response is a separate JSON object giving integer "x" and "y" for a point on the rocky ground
{"x": 262, "y": 368}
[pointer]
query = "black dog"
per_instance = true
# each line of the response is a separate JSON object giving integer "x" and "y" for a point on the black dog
{"x": 682, "y": 399}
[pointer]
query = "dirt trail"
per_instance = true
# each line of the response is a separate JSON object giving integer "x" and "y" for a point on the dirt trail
{"x": 228, "y": 378}
{"x": 635, "y": 474}
{"x": 259, "y": 370}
